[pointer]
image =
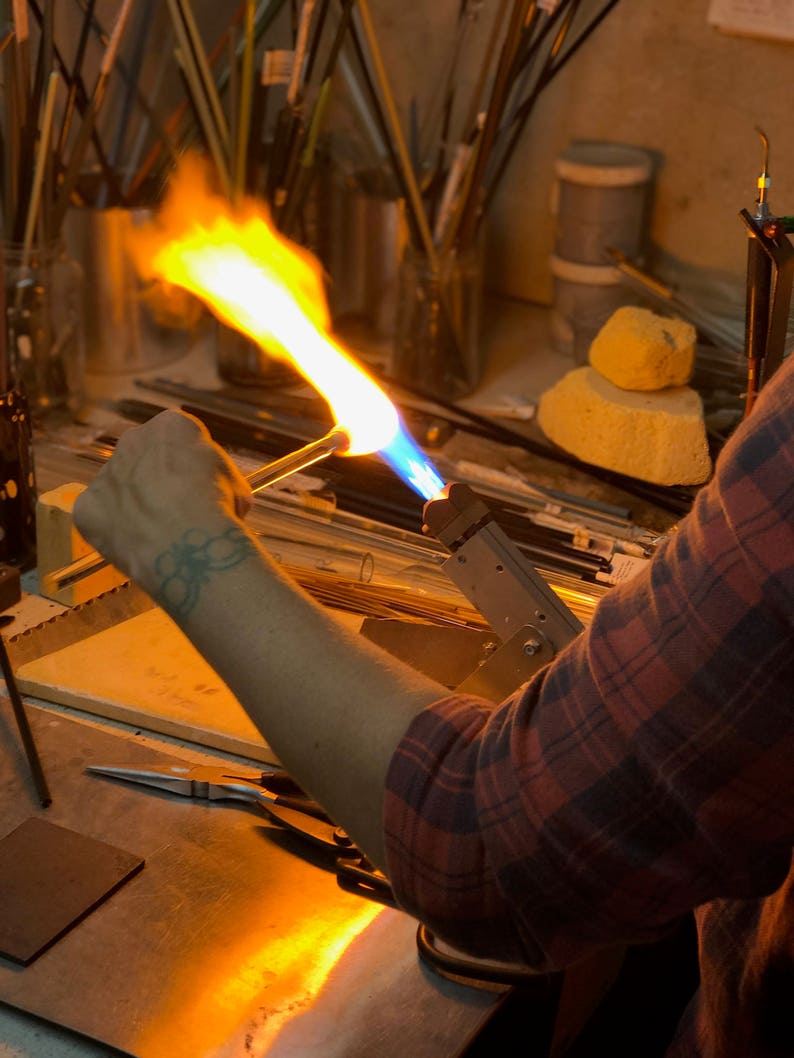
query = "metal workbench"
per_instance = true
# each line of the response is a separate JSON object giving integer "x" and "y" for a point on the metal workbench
{"x": 233, "y": 940}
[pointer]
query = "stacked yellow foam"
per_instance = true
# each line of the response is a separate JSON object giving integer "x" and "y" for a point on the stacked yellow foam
{"x": 631, "y": 410}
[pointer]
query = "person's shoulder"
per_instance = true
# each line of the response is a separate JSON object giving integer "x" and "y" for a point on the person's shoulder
{"x": 778, "y": 393}
{"x": 770, "y": 424}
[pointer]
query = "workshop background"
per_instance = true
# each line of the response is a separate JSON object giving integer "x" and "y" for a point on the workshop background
{"x": 658, "y": 75}
{"x": 690, "y": 83}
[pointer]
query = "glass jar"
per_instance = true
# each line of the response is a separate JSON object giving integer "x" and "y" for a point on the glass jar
{"x": 437, "y": 345}
{"x": 241, "y": 362}
{"x": 44, "y": 327}
{"x": 132, "y": 323}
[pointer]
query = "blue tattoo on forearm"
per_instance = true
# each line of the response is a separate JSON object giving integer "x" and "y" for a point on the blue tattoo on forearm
{"x": 187, "y": 565}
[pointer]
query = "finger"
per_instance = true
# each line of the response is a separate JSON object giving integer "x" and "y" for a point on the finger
{"x": 243, "y": 497}
{"x": 182, "y": 421}
{"x": 243, "y": 504}
{"x": 87, "y": 516}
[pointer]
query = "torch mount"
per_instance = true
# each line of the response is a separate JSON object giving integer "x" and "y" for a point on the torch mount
{"x": 528, "y": 618}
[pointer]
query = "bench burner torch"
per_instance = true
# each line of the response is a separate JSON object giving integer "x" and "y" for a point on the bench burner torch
{"x": 531, "y": 622}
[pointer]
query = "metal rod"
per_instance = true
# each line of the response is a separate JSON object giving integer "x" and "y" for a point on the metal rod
{"x": 417, "y": 207}
{"x": 38, "y": 173}
{"x": 551, "y": 68}
{"x": 74, "y": 166}
{"x": 199, "y": 57}
{"x": 246, "y": 96}
{"x": 202, "y": 92}
{"x": 24, "y": 727}
{"x": 335, "y": 442}
{"x": 758, "y": 299}
{"x": 719, "y": 333}
{"x": 499, "y": 93}
{"x": 73, "y": 78}
{"x": 81, "y": 102}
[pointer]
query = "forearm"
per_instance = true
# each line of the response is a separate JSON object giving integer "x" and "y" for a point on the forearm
{"x": 167, "y": 510}
{"x": 332, "y": 706}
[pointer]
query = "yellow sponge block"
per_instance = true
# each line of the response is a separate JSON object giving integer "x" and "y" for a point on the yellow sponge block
{"x": 58, "y": 544}
{"x": 658, "y": 437}
{"x": 636, "y": 349}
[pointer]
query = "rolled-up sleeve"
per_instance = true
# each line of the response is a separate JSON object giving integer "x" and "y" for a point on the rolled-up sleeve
{"x": 643, "y": 772}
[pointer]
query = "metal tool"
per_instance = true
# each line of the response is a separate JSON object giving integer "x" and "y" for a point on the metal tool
{"x": 277, "y": 795}
{"x": 759, "y": 277}
{"x": 770, "y": 272}
{"x": 532, "y": 623}
{"x": 709, "y": 326}
{"x": 213, "y": 783}
{"x": 23, "y": 726}
{"x": 335, "y": 442}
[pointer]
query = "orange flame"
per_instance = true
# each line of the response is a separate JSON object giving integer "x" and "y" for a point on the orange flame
{"x": 257, "y": 281}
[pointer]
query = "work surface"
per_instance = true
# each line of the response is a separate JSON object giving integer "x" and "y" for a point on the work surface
{"x": 233, "y": 940}
{"x": 228, "y": 942}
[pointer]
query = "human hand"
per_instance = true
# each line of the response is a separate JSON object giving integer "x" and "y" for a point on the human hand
{"x": 167, "y": 482}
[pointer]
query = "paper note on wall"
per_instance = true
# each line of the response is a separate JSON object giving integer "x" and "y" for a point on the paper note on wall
{"x": 755, "y": 18}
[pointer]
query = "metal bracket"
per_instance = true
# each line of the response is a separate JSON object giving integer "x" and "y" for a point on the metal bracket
{"x": 530, "y": 620}
{"x": 514, "y": 662}
{"x": 780, "y": 253}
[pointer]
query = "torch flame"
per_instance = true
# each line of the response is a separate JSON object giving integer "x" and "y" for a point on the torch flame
{"x": 268, "y": 288}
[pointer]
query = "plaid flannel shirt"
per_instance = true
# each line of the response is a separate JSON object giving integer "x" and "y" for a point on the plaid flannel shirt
{"x": 647, "y": 771}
